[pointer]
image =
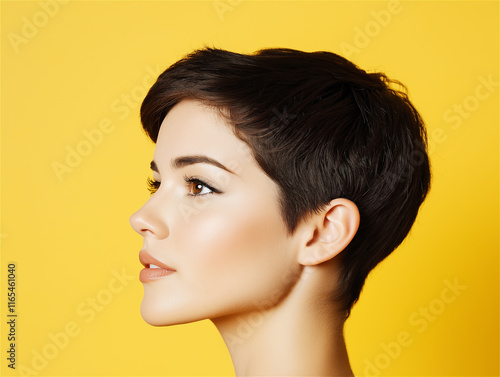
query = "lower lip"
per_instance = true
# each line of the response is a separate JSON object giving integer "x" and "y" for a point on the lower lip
{"x": 149, "y": 274}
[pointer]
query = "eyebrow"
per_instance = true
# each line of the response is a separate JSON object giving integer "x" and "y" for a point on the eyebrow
{"x": 182, "y": 161}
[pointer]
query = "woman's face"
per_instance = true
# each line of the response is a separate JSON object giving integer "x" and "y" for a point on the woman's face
{"x": 214, "y": 219}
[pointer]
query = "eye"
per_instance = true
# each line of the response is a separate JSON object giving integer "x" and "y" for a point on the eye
{"x": 153, "y": 185}
{"x": 197, "y": 187}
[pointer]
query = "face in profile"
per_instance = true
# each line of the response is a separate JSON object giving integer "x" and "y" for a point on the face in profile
{"x": 213, "y": 223}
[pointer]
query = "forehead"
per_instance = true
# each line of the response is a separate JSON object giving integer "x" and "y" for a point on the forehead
{"x": 191, "y": 128}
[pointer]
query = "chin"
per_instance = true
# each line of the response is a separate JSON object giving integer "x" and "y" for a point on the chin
{"x": 157, "y": 314}
{"x": 152, "y": 316}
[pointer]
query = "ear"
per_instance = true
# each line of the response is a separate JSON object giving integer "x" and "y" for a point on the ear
{"x": 329, "y": 232}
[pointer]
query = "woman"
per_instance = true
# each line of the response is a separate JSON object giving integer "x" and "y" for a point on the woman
{"x": 280, "y": 180}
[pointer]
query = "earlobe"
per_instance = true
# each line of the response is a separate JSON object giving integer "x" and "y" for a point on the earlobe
{"x": 333, "y": 230}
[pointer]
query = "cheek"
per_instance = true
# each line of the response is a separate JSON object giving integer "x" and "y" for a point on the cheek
{"x": 239, "y": 252}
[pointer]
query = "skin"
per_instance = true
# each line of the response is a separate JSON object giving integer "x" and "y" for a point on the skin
{"x": 265, "y": 290}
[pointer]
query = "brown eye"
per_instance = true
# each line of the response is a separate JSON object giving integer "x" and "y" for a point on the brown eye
{"x": 195, "y": 188}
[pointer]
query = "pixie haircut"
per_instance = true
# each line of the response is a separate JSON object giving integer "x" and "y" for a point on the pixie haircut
{"x": 321, "y": 128}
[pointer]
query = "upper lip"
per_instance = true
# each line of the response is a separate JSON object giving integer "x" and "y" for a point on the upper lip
{"x": 147, "y": 259}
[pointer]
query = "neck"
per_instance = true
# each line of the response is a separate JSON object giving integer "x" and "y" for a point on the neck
{"x": 300, "y": 336}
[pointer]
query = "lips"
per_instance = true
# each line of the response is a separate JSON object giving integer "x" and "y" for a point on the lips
{"x": 154, "y": 268}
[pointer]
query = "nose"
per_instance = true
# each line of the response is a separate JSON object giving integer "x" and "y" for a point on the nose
{"x": 148, "y": 221}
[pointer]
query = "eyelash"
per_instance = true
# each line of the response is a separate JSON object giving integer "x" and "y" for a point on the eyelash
{"x": 154, "y": 185}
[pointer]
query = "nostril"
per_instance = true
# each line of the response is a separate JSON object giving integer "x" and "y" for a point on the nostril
{"x": 136, "y": 223}
{"x": 149, "y": 221}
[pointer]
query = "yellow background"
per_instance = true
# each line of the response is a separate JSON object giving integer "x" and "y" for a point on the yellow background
{"x": 88, "y": 63}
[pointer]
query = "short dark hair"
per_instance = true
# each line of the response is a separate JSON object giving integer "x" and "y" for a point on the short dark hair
{"x": 321, "y": 128}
